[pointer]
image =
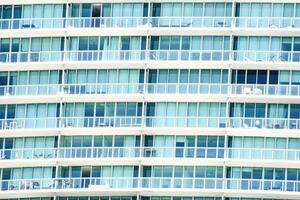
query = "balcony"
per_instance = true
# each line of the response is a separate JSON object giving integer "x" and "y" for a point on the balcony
{"x": 264, "y": 153}
{"x": 149, "y": 88}
{"x": 32, "y": 23}
{"x": 149, "y": 122}
{"x": 263, "y": 89}
{"x": 150, "y": 183}
{"x": 149, "y": 22}
{"x": 28, "y": 153}
{"x": 30, "y": 90}
{"x": 266, "y": 56}
{"x": 150, "y": 152}
{"x": 111, "y": 152}
{"x": 151, "y": 55}
{"x": 264, "y": 123}
{"x": 27, "y": 184}
{"x": 111, "y": 183}
{"x": 263, "y": 184}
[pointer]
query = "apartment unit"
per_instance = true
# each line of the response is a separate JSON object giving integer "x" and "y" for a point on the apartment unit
{"x": 150, "y": 100}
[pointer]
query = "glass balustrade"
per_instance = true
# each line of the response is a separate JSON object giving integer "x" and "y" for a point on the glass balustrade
{"x": 267, "y": 123}
{"x": 155, "y": 122}
{"x": 111, "y": 182}
{"x": 31, "y": 123}
{"x": 150, "y": 182}
{"x": 27, "y": 90}
{"x": 150, "y": 88}
{"x": 261, "y": 89}
{"x": 148, "y": 22}
{"x": 269, "y": 56}
{"x": 150, "y": 152}
{"x": 112, "y": 152}
{"x": 28, "y": 153}
{"x": 142, "y": 55}
{"x": 27, "y": 184}
{"x": 263, "y": 184}
{"x": 263, "y": 153}
{"x": 186, "y": 122}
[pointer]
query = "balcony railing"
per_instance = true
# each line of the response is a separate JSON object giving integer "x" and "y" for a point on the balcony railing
{"x": 270, "y": 56}
{"x": 151, "y": 55}
{"x": 148, "y": 121}
{"x": 264, "y": 89}
{"x": 269, "y": 123}
{"x": 28, "y": 90}
{"x": 263, "y": 184}
{"x": 111, "y": 152}
{"x": 111, "y": 182}
{"x": 150, "y": 152}
{"x": 264, "y": 153}
{"x": 182, "y": 182}
{"x": 150, "y": 88}
{"x": 30, "y": 123}
{"x": 186, "y": 122}
{"x": 27, "y": 184}
{"x": 151, "y": 182}
{"x": 38, "y": 56}
{"x": 28, "y": 153}
{"x": 33, "y": 23}
{"x": 148, "y": 22}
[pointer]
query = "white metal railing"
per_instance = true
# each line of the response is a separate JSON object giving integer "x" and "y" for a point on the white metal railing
{"x": 25, "y": 123}
{"x": 187, "y": 88}
{"x": 161, "y": 21}
{"x": 150, "y": 182}
{"x": 150, "y": 88}
{"x": 27, "y": 90}
{"x": 263, "y": 184}
{"x": 109, "y": 152}
{"x": 128, "y": 121}
{"x": 150, "y": 121}
{"x": 112, "y": 182}
{"x": 33, "y": 23}
{"x": 98, "y": 182}
{"x": 182, "y": 182}
{"x": 267, "y": 22}
{"x": 103, "y": 88}
{"x": 263, "y": 153}
{"x": 30, "y": 56}
{"x": 28, "y": 153}
{"x": 139, "y": 55}
{"x": 258, "y": 55}
{"x": 269, "y": 123}
{"x": 186, "y": 122}
{"x": 120, "y": 55}
{"x": 265, "y": 89}
{"x": 151, "y": 152}
{"x": 27, "y": 184}
{"x": 148, "y": 22}
{"x": 155, "y": 152}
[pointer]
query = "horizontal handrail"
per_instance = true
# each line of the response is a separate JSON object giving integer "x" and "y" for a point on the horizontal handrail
{"x": 270, "y": 123}
{"x": 150, "y": 121}
{"x": 263, "y": 153}
{"x": 263, "y": 184}
{"x": 150, "y": 88}
{"x": 265, "y": 89}
{"x": 113, "y": 152}
{"x": 152, "y": 152}
{"x": 153, "y": 55}
{"x": 161, "y": 21}
{"x": 111, "y": 182}
{"x": 150, "y": 182}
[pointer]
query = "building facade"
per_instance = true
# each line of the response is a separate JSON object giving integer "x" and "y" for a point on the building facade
{"x": 150, "y": 100}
